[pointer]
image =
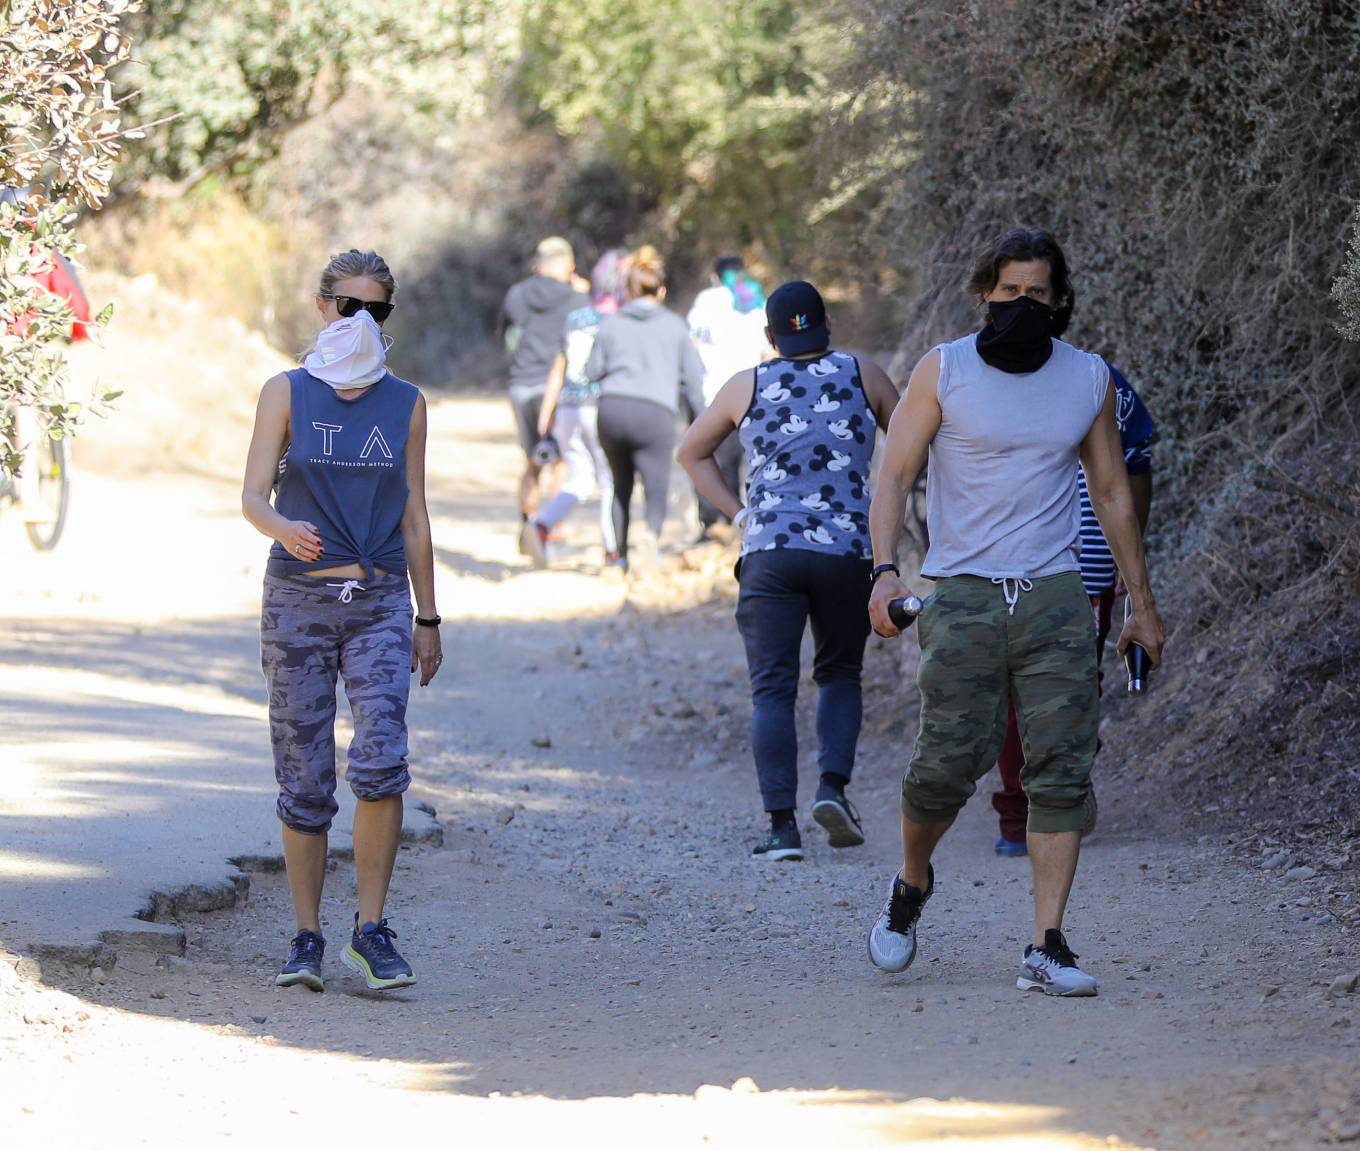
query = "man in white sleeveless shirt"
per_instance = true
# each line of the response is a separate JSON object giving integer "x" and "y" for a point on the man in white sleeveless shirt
{"x": 1004, "y": 415}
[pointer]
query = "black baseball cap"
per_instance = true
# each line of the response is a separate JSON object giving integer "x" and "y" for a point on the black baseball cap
{"x": 797, "y": 318}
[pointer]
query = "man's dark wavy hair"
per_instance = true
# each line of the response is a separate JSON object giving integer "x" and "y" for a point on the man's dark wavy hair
{"x": 1021, "y": 245}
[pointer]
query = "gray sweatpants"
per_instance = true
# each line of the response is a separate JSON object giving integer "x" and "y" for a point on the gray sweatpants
{"x": 311, "y": 631}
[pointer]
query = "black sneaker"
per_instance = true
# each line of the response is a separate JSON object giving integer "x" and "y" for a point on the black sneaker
{"x": 372, "y": 955}
{"x": 781, "y": 843}
{"x": 841, "y": 821}
{"x": 892, "y": 938}
{"x": 304, "y": 962}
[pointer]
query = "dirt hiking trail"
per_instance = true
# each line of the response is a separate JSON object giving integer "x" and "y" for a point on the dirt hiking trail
{"x": 600, "y": 963}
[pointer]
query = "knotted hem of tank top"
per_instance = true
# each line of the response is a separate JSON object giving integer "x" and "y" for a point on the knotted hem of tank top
{"x": 1011, "y": 588}
{"x": 374, "y": 568}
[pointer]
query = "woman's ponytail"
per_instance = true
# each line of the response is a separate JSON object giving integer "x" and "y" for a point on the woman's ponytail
{"x": 646, "y": 273}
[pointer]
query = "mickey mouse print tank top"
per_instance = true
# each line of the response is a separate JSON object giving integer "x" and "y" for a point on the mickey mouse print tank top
{"x": 809, "y": 439}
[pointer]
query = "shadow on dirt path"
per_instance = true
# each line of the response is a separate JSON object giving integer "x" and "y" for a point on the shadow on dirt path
{"x": 592, "y": 925}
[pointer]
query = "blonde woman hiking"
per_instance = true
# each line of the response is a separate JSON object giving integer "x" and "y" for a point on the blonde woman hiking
{"x": 340, "y": 444}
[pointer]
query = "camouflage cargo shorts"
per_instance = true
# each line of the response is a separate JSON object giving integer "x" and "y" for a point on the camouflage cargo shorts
{"x": 311, "y": 633}
{"x": 975, "y": 653}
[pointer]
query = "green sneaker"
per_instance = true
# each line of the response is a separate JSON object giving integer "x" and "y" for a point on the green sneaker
{"x": 371, "y": 954}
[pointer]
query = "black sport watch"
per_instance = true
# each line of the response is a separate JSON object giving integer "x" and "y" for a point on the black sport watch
{"x": 880, "y": 569}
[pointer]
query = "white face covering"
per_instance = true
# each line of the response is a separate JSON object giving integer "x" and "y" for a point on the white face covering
{"x": 350, "y": 353}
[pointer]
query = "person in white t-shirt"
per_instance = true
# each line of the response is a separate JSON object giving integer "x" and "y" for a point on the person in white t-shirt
{"x": 727, "y": 323}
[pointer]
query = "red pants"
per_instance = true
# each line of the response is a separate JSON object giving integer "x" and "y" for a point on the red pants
{"x": 1010, "y": 802}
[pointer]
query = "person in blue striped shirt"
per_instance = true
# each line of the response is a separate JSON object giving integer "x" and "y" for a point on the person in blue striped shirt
{"x": 1137, "y": 435}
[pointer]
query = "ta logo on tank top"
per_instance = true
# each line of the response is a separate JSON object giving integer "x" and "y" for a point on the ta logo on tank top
{"x": 375, "y": 442}
{"x": 327, "y": 435}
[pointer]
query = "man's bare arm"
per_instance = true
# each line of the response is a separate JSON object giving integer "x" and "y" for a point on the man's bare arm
{"x": 1141, "y": 487}
{"x": 1107, "y": 483}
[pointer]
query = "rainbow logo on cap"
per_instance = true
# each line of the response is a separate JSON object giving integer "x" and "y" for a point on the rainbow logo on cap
{"x": 800, "y": 323}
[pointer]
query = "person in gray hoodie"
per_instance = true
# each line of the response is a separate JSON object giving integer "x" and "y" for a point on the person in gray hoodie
{"x": 531, "y": 326}
{"x": 642, "y": 357}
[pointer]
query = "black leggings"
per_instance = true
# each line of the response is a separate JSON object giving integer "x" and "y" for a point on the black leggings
{"x": 638, "y": 436}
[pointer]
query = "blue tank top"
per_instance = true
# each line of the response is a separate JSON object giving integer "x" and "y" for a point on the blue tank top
{"x": 809, "y": 439}
{"x": 345, "y": 472}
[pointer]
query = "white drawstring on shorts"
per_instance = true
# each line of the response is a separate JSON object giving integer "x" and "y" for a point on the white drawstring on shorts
{"x": 1011, "y": 589}
{"x": 347, "y": 589}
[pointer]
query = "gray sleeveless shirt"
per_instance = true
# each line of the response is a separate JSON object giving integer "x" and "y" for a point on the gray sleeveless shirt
{"x": 809, "y": 439}
{"x": 1001, "y": 501}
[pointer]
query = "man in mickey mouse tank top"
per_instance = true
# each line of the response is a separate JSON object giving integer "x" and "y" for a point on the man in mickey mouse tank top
{"x": 807, "y": 422}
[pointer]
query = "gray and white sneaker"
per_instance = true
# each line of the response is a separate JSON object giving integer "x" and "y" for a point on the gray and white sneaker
{"x": 1053, "y": 968}
{"x": 892, "y": 938}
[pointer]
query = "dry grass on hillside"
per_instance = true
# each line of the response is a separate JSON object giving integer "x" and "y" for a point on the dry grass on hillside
{"x": 189, "y": 378}
{"x": 1254, "y": 725}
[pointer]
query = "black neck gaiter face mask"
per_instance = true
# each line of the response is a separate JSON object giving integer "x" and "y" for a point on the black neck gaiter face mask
{"x": 1018, "y": 337}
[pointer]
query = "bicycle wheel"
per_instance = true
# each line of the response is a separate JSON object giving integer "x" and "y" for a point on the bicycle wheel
{"x": 54, "y": 490}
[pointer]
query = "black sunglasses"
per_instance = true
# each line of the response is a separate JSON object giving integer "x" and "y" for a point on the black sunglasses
{"x": 349, "y": 306}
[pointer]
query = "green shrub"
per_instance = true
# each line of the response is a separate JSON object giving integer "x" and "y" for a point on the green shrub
{"x": 60, "y": 141}
{"x": 1199, "y": 160}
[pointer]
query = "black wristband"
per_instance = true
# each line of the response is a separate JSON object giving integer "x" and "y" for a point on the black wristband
{"x": 434, "y": 621}
{"x": 878, "y": 571}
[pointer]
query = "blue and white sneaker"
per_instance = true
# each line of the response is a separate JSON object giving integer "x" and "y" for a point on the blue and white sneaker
{"x": 304, "y": 962}
{"x": 892, "y": 938}
{"x": 1012, "y": 848}
{"x": 371, "y": 954}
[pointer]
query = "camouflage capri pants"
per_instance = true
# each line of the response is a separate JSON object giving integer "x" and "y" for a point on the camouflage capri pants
{"x": 976, "y": 651}
{"x": 312, "y": 631}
